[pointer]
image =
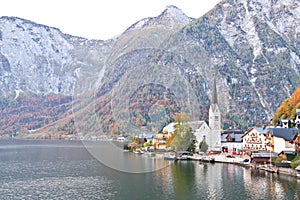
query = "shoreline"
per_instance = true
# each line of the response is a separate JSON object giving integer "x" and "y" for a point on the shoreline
{"x": 238, "y": 160}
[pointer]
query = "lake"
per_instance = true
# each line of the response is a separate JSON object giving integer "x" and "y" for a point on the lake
{"x": 97, "y": 170}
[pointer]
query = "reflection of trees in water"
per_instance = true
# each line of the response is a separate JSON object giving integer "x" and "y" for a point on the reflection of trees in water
{"x": 183, "y": 174}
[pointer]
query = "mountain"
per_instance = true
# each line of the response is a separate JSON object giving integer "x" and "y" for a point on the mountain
{"x": 54, "y": 83}
{"x": 42, "y": 60}
{"x": 252, "y": 47}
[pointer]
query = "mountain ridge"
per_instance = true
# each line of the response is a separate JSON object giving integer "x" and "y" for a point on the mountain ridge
{"x": 251, "y": 47}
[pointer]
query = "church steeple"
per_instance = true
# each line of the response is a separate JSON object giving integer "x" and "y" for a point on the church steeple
{"x": 214, "y": 111}
{"x": 214, "y": 99}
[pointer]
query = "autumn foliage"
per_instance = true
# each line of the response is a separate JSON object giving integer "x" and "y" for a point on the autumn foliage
{"x": 287, "y": 109}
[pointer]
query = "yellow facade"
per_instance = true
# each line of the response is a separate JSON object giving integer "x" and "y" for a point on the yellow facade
{"x": 160, "y": 140}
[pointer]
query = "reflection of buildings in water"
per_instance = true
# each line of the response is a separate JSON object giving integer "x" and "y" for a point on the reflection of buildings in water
{"x": 153, "y": 163}
{"x": 247, "y": 176}
{"x": 278, "y": 189}
{"x": 230, "y": 172}
{"x": 235, "y": 171}
{"x": 215, "y": 181}
{"x": 256, "y": 185}
{"x": 163, "y": 177}
{"x": 209, "y": 178}
{"x": 263, "y": 185}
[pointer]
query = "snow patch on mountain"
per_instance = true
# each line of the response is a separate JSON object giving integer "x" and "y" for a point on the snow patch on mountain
{"x": 39, "y": 56}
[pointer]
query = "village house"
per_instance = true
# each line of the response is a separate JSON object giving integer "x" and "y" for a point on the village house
{"x": 232, "y": 141}
{"x": 255, "y": 139}
{"x": 161, "y": 138}
{"x": 281, "y": 139}
{"x": 288, "y": 155}
{"x": 296, "y": 141}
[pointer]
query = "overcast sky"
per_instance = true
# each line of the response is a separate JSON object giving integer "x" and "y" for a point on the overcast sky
{"x": 97, "y": 19}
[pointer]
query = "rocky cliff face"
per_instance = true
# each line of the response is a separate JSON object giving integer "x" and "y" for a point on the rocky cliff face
{"x": 250, "y": 46}
{"x": 34, "y": 58}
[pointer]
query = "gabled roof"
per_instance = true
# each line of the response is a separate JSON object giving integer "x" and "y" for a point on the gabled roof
{"x": 196, "y": 124}
{"x": 262, "y": 130}
{"x": 170, "y": 127}
{"x": 231, "y": 131}
{"x": 285, "y": 133}
{"x": 287, "y": 152}
{"x": 235, "y": 134}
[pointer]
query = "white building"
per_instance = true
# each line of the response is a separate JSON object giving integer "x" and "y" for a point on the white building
{"x": 211, "y": 133}
{"x": 232, "y": 141}
{"x": 255, "y": 139}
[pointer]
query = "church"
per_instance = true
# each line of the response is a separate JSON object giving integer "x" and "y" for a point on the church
{"x": 210, "y": 133}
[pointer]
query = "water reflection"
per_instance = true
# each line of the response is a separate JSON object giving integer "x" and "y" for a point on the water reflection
{"x": 69, "y": 171}
{"x": 183, "y": 179}
{"x": 194, "y": 180}
{"x": 111, "y": 155}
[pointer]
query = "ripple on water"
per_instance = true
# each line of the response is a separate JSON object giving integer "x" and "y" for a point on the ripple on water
{"x": 59, "y": 188}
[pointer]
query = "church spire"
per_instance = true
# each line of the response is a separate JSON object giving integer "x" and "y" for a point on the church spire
{"x": 214, "y": 112}
{"x": 214, "y": 99}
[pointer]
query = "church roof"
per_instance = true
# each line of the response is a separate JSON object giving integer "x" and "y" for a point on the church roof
{"x": 196, "y": 124}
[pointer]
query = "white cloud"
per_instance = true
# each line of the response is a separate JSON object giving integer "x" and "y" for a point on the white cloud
{"x": 97, "y": 19}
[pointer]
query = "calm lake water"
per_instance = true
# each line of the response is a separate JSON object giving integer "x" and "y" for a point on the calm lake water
{"x": 75, "y": 170}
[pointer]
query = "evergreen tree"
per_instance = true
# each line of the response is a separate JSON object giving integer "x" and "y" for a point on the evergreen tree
{"x": 203, "y": 146}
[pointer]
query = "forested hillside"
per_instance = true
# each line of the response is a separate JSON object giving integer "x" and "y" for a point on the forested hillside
{"x": 287, "y": 109}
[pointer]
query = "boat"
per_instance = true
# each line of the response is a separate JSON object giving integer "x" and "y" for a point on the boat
{"x": 208, "y": 159}
{"x": 170, "y": 156}
{"x": 138, "y": 152}
{"x": 184, "y": 155}
{"x": 246, "y": 162}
